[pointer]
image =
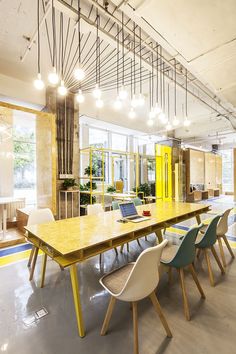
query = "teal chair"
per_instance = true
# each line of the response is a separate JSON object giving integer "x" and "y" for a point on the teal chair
{"x": 137, "y": 201}
{"x": 115, "y": 205}
{"x": 180, "y": 257}
{"x": 205, "y": 242}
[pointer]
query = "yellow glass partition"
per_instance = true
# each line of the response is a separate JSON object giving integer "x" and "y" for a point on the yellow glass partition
{"x": 163, "y": 172}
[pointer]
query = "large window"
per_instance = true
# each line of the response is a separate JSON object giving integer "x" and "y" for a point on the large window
{"x": 24, "y": 147}
{"x": 119, "y": 142}
{"x": 227, "y": 170}
{"x": 98, "y": 138}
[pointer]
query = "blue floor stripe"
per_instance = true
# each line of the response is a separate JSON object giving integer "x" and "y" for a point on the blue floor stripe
{"x": 16, "y": 249}
{"x": 181, "y": 227}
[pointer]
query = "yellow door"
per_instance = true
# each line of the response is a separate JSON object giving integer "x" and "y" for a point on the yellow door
{"x": 163, "y": 172}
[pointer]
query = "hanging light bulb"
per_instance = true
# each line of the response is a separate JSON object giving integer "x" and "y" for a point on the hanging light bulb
{"x": 132, "y": 113}
{"x": 99, "y": 103}
{"x": 187, "y": 122}
{"x": 80, "y": 97}
{"x": 117, "y": 103}
{"x": 53, "y": 78}
{"x": 79, "y": 74}
{"x": 97, "y": 92}
{"x": 134, "y": 101}
{"x": 152, "y": 114}
{"x": 162, "y": 117}
{"x": 150, "y": 122}
{"x": 175, "y": 121}
{"x": 157, "y": 108}
{"x": 38, "y": 83}
{"x": 141, "y": 100}
{"x": 168, "y": 126}
{"x": 123, "y": 93}
{"x": 62, "y": 90}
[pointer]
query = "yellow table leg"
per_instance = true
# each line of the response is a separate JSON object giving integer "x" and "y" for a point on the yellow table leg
{"x": 198, "y": 218}
{"x": 76, "y": 295}
{"x": 159, "y": 235}
{"x": 44, "y": 262}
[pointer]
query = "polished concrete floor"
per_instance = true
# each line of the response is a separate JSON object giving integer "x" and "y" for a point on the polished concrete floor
{"x": 212, "y": 328}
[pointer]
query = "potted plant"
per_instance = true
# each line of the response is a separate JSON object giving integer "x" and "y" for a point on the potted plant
{"x": 143, "y": 188}
{"x": 111, "y": 189}
{"x": 69, "y": 184}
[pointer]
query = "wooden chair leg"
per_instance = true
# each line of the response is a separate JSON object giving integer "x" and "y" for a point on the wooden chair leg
{"x": 36, "y": 251}
{"x": 116, "y": 251}
{"x": 228, "y": 246}
{"x": 108, "y": 315}
{"x": 221, "y": 251}
{"x": 31, "y": 256}
{"x": 127, "y": 245}
{"x": 135, "y": 326}
{"x": 44, "y": 263}
{"x": 158, "y": 309}
{"x": 185, "y": 299}
{"x": 100, "y": 259}
{"x": 146, "y": 238}
{"x": 195, "y": 278}
{"x": 138, "y": 242}
{"x": 122, "y": 247}
{"x": 217, "y": 259}
{"x": 199, "y": 252}
{"x": 211, "y": 276}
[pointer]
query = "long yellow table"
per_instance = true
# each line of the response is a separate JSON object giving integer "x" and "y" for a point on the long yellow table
{"x": 74, "y": 240}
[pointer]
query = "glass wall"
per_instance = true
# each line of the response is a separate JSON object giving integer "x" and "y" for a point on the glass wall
{"x": 227, "y": 170}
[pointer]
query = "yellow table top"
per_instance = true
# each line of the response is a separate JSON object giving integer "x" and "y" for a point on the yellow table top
{"x": 71, "y": 235}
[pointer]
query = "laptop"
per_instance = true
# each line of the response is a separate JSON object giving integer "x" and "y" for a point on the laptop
{"x": 129, "y": 213}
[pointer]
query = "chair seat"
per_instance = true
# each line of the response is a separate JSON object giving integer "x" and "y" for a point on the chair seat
{"x": 169, "y": 252}
{"x": 115, "y": 281}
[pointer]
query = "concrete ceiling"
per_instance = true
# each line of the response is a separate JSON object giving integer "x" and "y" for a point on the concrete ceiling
{"x": 200, "y": 34}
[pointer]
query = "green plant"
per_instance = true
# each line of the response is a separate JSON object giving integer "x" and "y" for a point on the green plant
{"x": 87, "y": 171}
{"x": 144, "y": 188}
{"x": 69, "y": 182}
{"x": 111, "y": 189}
{"x": 85, "y": 198}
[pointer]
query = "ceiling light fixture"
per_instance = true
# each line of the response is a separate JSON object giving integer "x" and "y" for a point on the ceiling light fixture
{"x": 62, "y": 90}
{"x": 150, "y": 122}
{"x": 123, "y": 92}
{"x": 99, "y": 103}
{"x": 80, "y": 97}
{"x": 53, "y": 77}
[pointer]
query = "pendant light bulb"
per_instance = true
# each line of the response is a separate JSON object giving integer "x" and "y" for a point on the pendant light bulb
{"x": 175, "y": 121}
{"x": 141, "y": 100}
{"x": 150, "y": 122}
{"x": 80, "y": 97}
{"x": 53, "y": 78}
{"x": 187, "y": 122}
{"x": 132, "y": 113}
{"x": 117, "y": 104}
{"x": 99, "y": 103}
{"x": 38, "y": 83}
{"x": 134, "y": 101}
{"x": 62, "y": 90}
{"x": 79, "y": 74}
{"x": 97, "y": 92}
{"x": 157, "y": 108}
{"x": 162, "y": 117}
{"x": 123, "y": 93}
{"x": 168, "y": 126}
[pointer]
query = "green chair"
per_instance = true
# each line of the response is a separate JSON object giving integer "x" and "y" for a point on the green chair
{"x": 205, "y": 242}
{"x": 137, "y": 201}
{"x": 180, "y": 257}
{"x": 115, "y": 205}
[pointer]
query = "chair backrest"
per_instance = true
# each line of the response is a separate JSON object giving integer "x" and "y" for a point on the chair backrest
{"x": 137, "y": 201}
{"x": 93, "y": 209}
{"x": 115, "y": 205}
{"x": 209, "y": 237}
{"x": 40, "y": 216}
{"x": 186, "y": 251}
{"x": 222, "y": 226}
{"x": 144, "y": 276}
{"x": 119, "y": 185}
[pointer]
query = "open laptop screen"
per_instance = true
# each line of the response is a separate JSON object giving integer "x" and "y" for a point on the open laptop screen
{"x": 128, "y": 209}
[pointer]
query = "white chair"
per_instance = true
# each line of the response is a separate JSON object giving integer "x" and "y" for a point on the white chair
{"x": 130, "y": 283}
{"x": 38, "y": 216}
{"x": 94, "y": 209}
{"x": 222, "y": 229}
